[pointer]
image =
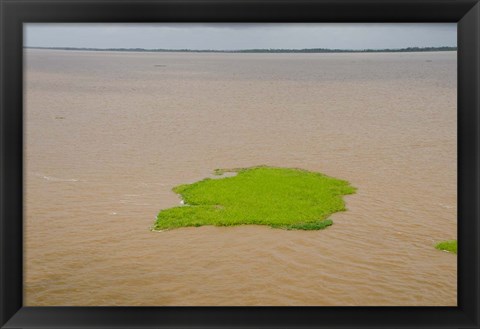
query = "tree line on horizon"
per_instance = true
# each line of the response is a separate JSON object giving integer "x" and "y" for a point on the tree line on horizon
{"x": 260, "y": 50}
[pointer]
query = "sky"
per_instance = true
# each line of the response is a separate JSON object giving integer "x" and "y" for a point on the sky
{"x": 234, "y": 36}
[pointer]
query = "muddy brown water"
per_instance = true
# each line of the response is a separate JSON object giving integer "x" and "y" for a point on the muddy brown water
{"x": 108, "y": 134}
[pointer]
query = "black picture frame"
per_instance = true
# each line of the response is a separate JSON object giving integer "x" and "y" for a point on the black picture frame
{"x": 466, "y": 13}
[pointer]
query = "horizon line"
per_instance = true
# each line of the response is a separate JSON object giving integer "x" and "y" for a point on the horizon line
{"x": 257, "y": 50}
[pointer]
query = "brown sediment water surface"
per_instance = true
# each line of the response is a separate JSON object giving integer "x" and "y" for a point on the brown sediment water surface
{"x": 108, "y": 134}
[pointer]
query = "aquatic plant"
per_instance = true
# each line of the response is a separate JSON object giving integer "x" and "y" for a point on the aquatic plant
{"x": 450, "y": 246}
{"x": 286, "y": 198}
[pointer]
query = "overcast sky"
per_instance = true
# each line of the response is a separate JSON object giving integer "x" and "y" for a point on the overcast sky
{"x": 224, "y": 36}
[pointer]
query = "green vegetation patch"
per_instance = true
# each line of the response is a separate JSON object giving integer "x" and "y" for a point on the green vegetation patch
{"x": 284, "y": 198}
{"x": 450, "y": 246}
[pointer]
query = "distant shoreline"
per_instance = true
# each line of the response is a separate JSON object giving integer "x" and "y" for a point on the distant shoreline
{"x": 259, "y": 51}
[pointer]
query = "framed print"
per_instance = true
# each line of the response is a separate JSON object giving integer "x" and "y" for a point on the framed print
{"x": 239, "y": 164}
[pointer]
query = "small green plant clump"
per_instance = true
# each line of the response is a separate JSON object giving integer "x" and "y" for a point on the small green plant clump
{"x": 450, "y": 246}
{"x": 292, "y": 199}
